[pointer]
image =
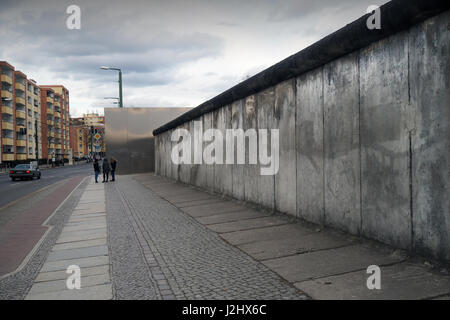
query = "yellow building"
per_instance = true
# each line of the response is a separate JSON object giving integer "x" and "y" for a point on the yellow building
{"x": 27, "y": 118}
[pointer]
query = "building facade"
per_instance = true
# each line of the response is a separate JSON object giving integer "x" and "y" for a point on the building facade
{"x": 34, "y": 119}
{"x": 55, "y": 101}
{"x": 90, "y": 132}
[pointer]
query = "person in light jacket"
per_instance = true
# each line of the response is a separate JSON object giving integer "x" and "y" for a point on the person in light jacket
{"x": 106, "y": 169}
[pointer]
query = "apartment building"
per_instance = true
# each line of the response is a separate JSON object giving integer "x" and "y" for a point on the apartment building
{"x": 79, "y": 134}
{"x": 34, "y": 119}
{"x": 93, "y": 142}
{"x": 55, "y": 119}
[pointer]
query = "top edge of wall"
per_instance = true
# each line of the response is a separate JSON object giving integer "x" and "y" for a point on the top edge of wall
{"x": 396, "y": 16}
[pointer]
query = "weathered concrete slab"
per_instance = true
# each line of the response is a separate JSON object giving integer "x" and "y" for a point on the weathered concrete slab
{"x": 62, "y": 275}
{"x": 223, "y": 173}
{"x": 235, "y": 216}
{"x": 341, "y": 144}
{"x": 93, "y": 218}
{"x": 251, "y": 171}
{"x": 247, "y": 224}
{"x": 194, "y": 203}
{"x": 188, "y": 196}
{"x": 84, "y": 232}
{"x": 81, "y": 236}
{"x": 270, "y": 249}
{"x": 89, "y": 210}
{"x": 237, "y": 122}
{"x": 285, "y": 120}
{"x": 309, "y": 137}
{"x": 325, "y": 263}
{"x": 81, "y": 262}
{"x": 403, "y": 281}
{"x": 209, "y": 169}
{"x": 385, "y": 177}
{"x": 269, "y": 233}
{"x": 60, "y": 285}
{"x": 265, "y": 102}
{"x": 77, "y": 253}
{"x": 213, "y": 209}
{"x": 430, "y": 95}
{"x": 79, "y": 244}
{"x": 83, "y": 226}
{"x": 100, "y": 292}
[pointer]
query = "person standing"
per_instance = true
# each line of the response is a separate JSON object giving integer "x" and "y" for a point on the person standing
{"x": 106, "y": 169}
{"x": 96, "y": 170}
{"x": 113, "y": 168}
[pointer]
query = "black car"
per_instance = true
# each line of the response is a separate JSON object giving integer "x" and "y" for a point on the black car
{"x": 25, "y": 171}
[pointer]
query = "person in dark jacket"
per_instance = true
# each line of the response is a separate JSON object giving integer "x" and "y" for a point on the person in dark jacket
{"x": 113, "y": 163}
{"x": 106, "y": 169}
{"x": 96, "y": 170}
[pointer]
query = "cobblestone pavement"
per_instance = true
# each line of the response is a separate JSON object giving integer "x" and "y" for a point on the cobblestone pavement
{"x": 160, "y": 252}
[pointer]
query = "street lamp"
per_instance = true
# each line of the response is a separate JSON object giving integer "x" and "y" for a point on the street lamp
{"x": 120, "y": 83}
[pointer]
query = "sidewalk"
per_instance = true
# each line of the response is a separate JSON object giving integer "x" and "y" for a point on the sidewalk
{"x": 82, "y": 242}
{"x": 323, "y": 264}
{"x": 145, "y": 237}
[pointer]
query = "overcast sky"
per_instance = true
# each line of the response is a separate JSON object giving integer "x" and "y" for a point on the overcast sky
{"x": 172, "y": 53}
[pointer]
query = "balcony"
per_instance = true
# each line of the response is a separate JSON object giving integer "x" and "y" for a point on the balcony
{"x": 7, "y": 110}
{"x": 50, "y": 100}
{"x": 56, "y": 104}
{"x": 50, "y": 110}
{"x": 57, "y": 114}
{"x": 49, "y": 122}
{"x": 21, "y": 143}
{"x": 51, "y": 134}
{"x": 20, "y": 86}
{"x": 20, "y": 114}
{"x": 7, "y": 125}
{"x": 6, "y": 78}
{"x": 20, "y": 101}
{"x": 21, "y": 156}
{"x": 8, "y": 141}
{"x": 6, "y": 94}
{"x": 8, "y": 157}
{"x": 51, "y": 146}
{"x": 58, "y": 146}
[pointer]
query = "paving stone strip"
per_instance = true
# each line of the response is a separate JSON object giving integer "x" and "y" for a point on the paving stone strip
{"x": 83, "y": 243}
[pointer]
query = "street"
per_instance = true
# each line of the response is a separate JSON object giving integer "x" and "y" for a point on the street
{"x": 10, "y": 191}
{"x": 25, "y": 207}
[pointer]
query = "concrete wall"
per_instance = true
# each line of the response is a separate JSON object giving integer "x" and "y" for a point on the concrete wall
{"x": 364, "y": 142}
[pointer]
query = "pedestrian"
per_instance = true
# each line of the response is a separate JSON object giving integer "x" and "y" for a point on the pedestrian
{"x": 113, "y": 168}
{"x": 106, "y": 169}
{"x": 96, "y": 170}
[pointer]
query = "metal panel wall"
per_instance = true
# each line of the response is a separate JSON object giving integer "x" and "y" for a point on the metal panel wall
{"x": 129, "y": 136}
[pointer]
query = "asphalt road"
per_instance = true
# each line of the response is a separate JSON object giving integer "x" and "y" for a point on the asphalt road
{"x": 13, "y": 190}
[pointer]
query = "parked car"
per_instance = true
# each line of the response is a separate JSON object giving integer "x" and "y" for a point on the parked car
{"x": 25, "y": 171}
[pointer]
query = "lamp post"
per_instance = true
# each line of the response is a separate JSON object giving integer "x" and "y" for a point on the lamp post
{"x": 120, "y": 83}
